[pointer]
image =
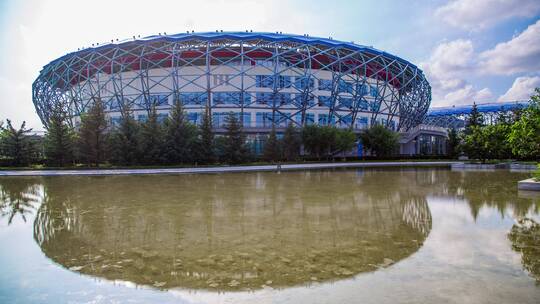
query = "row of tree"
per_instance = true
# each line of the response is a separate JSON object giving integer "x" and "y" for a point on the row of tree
{"x": 515, "y": 135}
{"x": 174, "y": 140}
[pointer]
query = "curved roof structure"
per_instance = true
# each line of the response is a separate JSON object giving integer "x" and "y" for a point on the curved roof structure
{"x": 276, "y": 37}
{"x": 352, "y": 79}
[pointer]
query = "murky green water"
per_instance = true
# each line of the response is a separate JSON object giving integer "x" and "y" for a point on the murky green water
{"x": 344, "y": 236}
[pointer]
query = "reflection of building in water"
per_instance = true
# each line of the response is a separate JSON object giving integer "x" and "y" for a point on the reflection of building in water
{"x": 230, "y": 231}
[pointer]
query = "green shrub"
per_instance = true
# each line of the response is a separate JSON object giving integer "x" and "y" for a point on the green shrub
{"x": 536, "y": 174}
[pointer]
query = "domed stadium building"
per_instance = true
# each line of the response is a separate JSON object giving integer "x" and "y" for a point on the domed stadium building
{"x": 267, "y": 79}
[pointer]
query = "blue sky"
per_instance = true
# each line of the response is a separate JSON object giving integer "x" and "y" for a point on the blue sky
{"x": 481, "y": 50}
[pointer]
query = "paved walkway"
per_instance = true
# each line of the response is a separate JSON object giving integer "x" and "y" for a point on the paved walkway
{"x": 195, "y": 170}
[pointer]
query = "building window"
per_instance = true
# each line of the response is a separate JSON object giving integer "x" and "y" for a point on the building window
{"x": 374, "y": 106}
{"x": 283, "y": 99}
{"x": 303, "y": 83}
{"x": 345, "y": 121}
{"x": 361, "y": 123}
{"x": 113, "y": 104}
{"x": 194, "y": 98}
{"x": 220, "y": 79}
{"x": 325, "y": 101}
{"x": 264, "y": 98}
{"x": 301, "y": 98}
{"x": 194, "y": 118}
{"x": 345, "y": 102}
{"x": 345, "y": 87}
{"x": 363, "y": 104}
{"x": 325, "y": 85}
{"x": 267, "y": 81}
{"x": 229, "y": 98}
{"x": 323, "y": 120}
{"x": 264, "y": 81}
{"x": 310, "y": 119}
{"x": 361, "y": 89}
{"x": 159, "y": 100}
{"x": 373, "y": 91}
{"x": 284, "y": 81}
{"x": 263, "y": 119}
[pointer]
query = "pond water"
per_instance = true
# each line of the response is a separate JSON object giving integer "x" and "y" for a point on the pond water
{"x": 333, "y": 236}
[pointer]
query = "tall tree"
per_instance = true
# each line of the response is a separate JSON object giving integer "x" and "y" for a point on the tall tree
{"x": 452, "y": 145}
{"x": 17, "y": 145}
{"x": 151, "y": 139}
{"x": 272, "y": 147}
{"x": 180, "y": 137}
{"x": 380, "y": 140}
{"x": 524, "y": 136}
{"x": 475, "y": 119}
{"x": 207, "y": 148}
{"x": 59, "y": 140}
{"x": 345, "y": 140}
{"x": 125, "y": 139}
{"x": 291, "y": 143}
{"x": 92, "y": 144}
{"x": 475, "y": 143}
{"x": 235, "y": 150}
{"x": 312, "y": 139}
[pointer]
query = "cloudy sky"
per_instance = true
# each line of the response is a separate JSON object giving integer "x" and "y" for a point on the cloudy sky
{"x": 481, "y": 50}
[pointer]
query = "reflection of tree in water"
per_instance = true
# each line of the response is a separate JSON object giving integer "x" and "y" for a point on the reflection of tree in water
{"x": 495, "y": 189}
{"x": 18, "y": 196}
{"x": 525, "y": 238}
{"x": 230, "y": 231}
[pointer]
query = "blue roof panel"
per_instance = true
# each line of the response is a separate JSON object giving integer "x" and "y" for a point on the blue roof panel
{"x": 482, "y": 108}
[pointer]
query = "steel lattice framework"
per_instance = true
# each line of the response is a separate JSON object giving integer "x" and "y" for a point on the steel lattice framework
{"x": 455, "y": 117}
{"x": 289, "y": 76}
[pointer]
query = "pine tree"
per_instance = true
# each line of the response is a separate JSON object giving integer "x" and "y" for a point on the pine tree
{"x": 206, "y": 149}
{"x": 17, "y": 145}
{"x": 125, "y": 139}
{"x": 291, "y": 143}
{"x": 151, "y": 140}
{"x": 235, "y": 150}
{"x": 92, "y": 134}
{"x": 59, "y": 139}
{"x": 272, "y": 147}
{"x": 475, "y": 119}
{"x": 180, "y": 137}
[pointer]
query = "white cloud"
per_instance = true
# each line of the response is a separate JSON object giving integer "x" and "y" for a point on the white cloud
{"x": 445, "y": 69}
{"x": 39, "y": 31}
{"x": 466, "y": 94}
{"x": 452, "y": 61}
{"x": 481, "y": 14}
{"x": 522, "y": 89}
{"x": 452, "y": 58}
{"x": 520, "y": 54}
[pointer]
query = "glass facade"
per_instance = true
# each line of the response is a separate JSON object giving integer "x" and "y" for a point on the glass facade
{"x": 267, "y": 81}
{"x": 431, "y": 144}
{"x": 194, "y": 98}
{"x": 221, "y": 98}
{"x": 325, "y": 85}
